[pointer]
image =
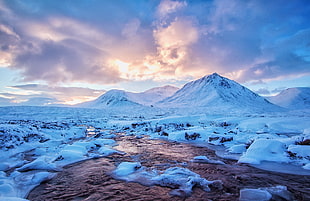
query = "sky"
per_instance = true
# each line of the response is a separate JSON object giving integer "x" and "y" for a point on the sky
{"x": 69, "y": 51}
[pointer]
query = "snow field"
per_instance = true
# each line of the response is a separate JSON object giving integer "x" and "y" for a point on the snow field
{"x": 36, "y": 142}
{"x": 255, "y": 138}
{"x": 33, "y": 150}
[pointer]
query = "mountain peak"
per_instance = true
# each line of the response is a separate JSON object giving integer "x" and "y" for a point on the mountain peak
{"x": 215, "y": 91}
{"x": 214, "y": 80}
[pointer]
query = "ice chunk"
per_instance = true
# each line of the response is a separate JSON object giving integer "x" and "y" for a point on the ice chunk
{"x": 127, "y": 168}
{"x": 300, "y": 150}
{"x": 279, "y": 193}
{"x": 254, "y": 195}
{"x": 237, "y": 149}
{"x": 4, "y": 166}
{"x": 307, "y": 166}
{"x": 181, "y": 179}
{"x": 41, "y": 163}
{"x": 102, "y": 142}
{"x": 264, "y": 150}
{"x": 204, "y": 159}
{"x": 73, "y": 152}
{"x": 6, "y": 189}
{"x": 105, "y": 151}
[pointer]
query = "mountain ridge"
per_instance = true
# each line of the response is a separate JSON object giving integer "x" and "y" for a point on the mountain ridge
{"x": 215, "y": 91}
{"x": 212, "y": 91}
{"x": 119, "y": 98}
{"x": 293, "y": 98}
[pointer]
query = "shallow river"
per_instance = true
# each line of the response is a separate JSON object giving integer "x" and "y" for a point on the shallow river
{"x": 91, "y": 179}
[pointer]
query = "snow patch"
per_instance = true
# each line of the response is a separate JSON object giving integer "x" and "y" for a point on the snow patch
{"x": 264, "y": 150}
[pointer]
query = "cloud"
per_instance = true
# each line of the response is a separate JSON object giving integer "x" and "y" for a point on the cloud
{"x": 167, "y": 7}
{"x": 286, "y": 57}
{"x": 173, "y": 41}
{"x": 108, "y": 42}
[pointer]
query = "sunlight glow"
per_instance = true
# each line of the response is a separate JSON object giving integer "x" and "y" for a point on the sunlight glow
{"x": 78, "y": 99}
{"x": 122, "y": 66}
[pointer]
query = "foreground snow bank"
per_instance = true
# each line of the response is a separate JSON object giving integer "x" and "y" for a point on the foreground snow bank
{"x": 264, "y": 150}
{"x": 181, "y": 179}
{"x": 265, "y": 194}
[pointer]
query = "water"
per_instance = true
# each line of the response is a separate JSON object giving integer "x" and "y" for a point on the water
{"x": 92, "y": 180}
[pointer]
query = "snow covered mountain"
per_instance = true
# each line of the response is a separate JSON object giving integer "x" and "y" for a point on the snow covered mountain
{"x": 217, "y": 92}
{"x": 112, "y": 98}
{"x": 120, "y": 98}
{"x": 153, "y": 95}
{"x": 293, "y": 98}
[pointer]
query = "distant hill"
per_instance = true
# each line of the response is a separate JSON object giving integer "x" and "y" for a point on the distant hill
{"x": 120, "y": 98}
{"x": 293, "y": 98}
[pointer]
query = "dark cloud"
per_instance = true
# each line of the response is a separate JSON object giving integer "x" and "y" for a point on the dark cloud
{"x": 286, "y": 57}
{"x": 259, "y": 38}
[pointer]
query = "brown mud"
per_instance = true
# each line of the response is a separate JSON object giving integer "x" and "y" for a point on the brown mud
{"x": 91, "y": 180}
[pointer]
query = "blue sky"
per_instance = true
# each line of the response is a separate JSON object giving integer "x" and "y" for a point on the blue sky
{"x": 68, "y": 51}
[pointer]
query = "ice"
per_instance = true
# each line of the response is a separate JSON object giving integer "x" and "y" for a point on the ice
{"x": 4, "y": 166}
{"x": 279, "y": 192}
{"x": 264, "y": 150}
{"x": 6, "y": 189}
{"x": 306, "y": 166}
{"x": 105, "y": 151}
{"x": 19, "y": 184}
{"x": 181, "y": 179}
{"x": 300, "y": 150}
{"x": 205, "y": 159}
{"x": 254, "y": 195}
{"x": 237, "y": 149}
{"x": 126, "y": 168}
{"x": 41, "y": 163}
{"x": 265, "y": 194}
{"x": 102, "y": 142}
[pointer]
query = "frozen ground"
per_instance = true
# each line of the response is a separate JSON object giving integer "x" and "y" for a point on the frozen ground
{"x": 37, "y": 142}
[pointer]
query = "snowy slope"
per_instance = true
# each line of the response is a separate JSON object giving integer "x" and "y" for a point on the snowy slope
{"x": 112, "y": 98}
{"x": 153, "y": 95}
{"x": 120, "y": 98}
{"x": 216, "y": 91}
{"x": 294, "y": 98}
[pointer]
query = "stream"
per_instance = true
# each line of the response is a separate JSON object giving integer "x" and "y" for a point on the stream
{"x": 92, "y": 180}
